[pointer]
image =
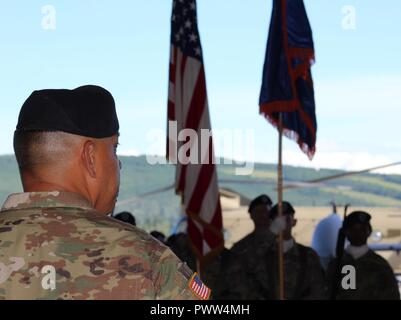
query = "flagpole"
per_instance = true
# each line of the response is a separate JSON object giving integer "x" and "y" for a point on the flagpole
{"x": 198, "y": 267}
{"x": 280, "y": 205}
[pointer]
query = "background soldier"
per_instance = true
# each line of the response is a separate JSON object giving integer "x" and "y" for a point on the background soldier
{"x": 246, "y": 272}
{"x": 374, "y": 278}
{"x": 158, "y": 235}
{"x": 303, "y": 273}
{"x": 179, "y": 244}
{"x": 65, "y": 144}
{"x": 126, "y": 217}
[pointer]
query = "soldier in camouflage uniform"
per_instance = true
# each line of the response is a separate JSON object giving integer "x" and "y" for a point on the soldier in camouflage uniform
{"x": 56, "y": 239}
{"x": 374, "y": 278}
{"x": 179, "y": 244}
{"x": 254, "y": 266}
{"x": 303, "y": 273}
{"x": 244, "y": 273}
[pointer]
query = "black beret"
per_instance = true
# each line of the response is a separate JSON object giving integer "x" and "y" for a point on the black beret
{"x": 356, "y": 217}
{"x": 86, "y": 111}
{"x": 260, "y": 200}
{"x": 287, "y": 210}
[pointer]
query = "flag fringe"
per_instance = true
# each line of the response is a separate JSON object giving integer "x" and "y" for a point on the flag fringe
{"x": 205, "y": 259}
{"x": 204, "y": 224}
{"x": 291, "y": 134}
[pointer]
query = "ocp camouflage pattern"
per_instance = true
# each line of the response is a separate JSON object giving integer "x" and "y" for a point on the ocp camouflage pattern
{"x": 95, "y": 256}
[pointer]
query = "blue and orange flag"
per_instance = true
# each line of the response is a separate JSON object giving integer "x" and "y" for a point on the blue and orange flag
{"x": 287, "y": 85}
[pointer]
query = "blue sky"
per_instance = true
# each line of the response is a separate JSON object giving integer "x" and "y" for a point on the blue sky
{"x": 124, "y": 46}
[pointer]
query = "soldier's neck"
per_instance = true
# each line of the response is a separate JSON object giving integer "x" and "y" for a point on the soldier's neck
{"x": 287, "y": 235}
{"x": 261, "y": 230}
{"x": 34, "y": 184}
{"x": 45, "y": 187}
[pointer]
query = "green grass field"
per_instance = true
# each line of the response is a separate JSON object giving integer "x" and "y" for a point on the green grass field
{"x": 161, "y": 211}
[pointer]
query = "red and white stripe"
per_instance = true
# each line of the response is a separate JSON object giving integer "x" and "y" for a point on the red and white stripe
{"x": 197, "y": 183}
{"x": 201, "y": 290}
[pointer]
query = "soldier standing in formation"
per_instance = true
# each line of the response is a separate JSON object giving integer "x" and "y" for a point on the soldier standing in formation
{"x": 65, "y": 144}
{"x": 252, "y": 270}
{"x": 374, "y": 278}
{"x": 304, "y": 275}
{"x": 246, "y": 273}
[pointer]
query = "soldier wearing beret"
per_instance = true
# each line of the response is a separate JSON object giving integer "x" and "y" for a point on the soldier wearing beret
{"x": 56, "y": 239}
{"x": 246, "y": 274}
{"x": 374, "y": 278}
{"x": 303, "y": 273}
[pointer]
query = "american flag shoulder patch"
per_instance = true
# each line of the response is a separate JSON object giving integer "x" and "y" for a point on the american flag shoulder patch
{"x": 200, "y": 290}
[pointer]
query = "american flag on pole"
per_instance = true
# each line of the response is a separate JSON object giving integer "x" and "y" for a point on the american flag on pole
{"x": 287, "y": 85}
{"x": 195, "y": 181}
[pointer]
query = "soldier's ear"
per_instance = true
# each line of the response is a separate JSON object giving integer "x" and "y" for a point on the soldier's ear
{"x": 88, "y": 158}
{"x": 369, "y": 231}
{"x": 294, "y": 222}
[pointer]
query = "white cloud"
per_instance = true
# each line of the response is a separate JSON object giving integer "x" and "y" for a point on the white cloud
{"x": 350, "y": 161}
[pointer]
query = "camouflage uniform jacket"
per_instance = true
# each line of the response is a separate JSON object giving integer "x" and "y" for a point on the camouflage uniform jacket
{"x": 245, "y": 275}
{"x": 92, "y": 256}
{"x": 303, "y": 274}
{"x": 375, "y": 279}
{"x": 254, "y": 270}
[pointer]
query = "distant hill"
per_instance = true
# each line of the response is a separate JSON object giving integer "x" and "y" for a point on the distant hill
{"x": 160, "y": 211}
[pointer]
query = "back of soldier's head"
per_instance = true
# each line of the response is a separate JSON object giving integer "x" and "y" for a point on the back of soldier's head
{"x": 170, "y": 242}
{"x": 65, "y": 140}
{"x": 51, "y": 120}
{"x": 126, "y": 217}
{"x": 43, "y": 149}
{"x": 158, "y": 235}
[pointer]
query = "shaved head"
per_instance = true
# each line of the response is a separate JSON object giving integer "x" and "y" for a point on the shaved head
{"x": 44, "y": 149}
{"x": 59, "y": 161}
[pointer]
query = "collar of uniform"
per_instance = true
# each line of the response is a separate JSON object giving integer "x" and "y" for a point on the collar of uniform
{"x": 288, "y": 245}
{"x": 54, "y": 199}
{"x": 357, "y": 252}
